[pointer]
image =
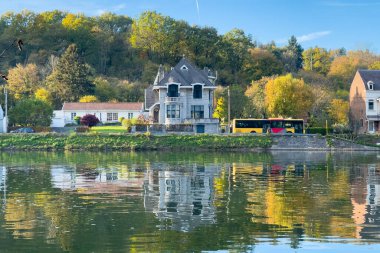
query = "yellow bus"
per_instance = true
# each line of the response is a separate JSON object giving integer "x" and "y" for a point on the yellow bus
{"x": 272, "y": 125}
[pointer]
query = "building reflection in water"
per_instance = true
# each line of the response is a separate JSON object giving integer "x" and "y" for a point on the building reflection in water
{"x": 181, "y": 198}
{"x": 119, "y": 181}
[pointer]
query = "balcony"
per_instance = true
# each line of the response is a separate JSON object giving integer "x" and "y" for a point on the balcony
{"x": 172, "y": 99}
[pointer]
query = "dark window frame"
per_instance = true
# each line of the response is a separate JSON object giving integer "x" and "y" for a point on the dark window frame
{"x": 197, "y": 111}
{"x": 197, "y": 91}
{"x": 173, "y": 111}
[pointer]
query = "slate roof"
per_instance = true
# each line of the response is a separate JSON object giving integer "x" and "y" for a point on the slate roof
{"x": 102, "y": 106}
{"x": 370, "y": 75}
{"x": 185, "y": 77}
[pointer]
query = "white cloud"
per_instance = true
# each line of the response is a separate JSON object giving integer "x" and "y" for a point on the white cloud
{"x": 312, "y": 36}
{"x": 306, "y": 37}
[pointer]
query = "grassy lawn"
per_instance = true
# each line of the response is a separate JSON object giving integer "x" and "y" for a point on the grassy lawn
{"x": 108, "y": 129}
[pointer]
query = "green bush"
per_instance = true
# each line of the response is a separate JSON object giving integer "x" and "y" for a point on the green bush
{"x": 31, "y": 112}
{"x": 77, "y": 120}
{"x": 317, "y": 130}
{"x": 121, "y": 119}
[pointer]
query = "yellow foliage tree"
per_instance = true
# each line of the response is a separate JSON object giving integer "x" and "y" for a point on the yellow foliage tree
{"x": 338, "y": 111}
{"x": 23, "y": 80}
{"x": 220, "y": 112}
{"x": 286, "y": 96}
{"x": 88, "y": 99}
{"x": 43, "y": 94}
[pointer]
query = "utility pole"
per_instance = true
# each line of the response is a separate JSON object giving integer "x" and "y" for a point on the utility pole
{"x": 229, "y": 109}
{"x": 5, "y": 124}
{"x": 311, "y": 60}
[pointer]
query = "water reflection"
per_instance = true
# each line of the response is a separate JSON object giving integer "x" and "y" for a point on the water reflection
{"x": 182, "y": 195}
{"x": 151, "y": 201}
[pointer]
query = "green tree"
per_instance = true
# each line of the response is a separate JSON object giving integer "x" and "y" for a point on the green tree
{"x": 261, "y": 63}
{"x": 316, "y": 59}
{"x": 31, "y": 112}
{"x": 293, "y": 55}
{"x": 235, "y": 45}
{"x": 286, "y": 96}
{"x": 151, "y": 32}
{"x": 70, "y": 79}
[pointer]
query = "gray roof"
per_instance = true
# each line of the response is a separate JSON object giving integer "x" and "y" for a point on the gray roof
{"x": 185, "y": 74}
{"x": 370, "y": 75}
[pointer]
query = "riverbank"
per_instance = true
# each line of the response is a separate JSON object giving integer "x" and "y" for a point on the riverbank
{"x": 109, "y": 142}
{"x": 146, "y": 142}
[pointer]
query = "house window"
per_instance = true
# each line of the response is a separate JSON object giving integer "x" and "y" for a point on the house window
{"x": 130, "y": 115}
{"x": 370, "y": 126}
{"x": 197, "y": 91}
{"x": 73, "y": 114}
{"x": 370, "y": 104}
{"x": 172, "y": 111}
{"x": 112, "y": 116}
{"x": 173, "y": 90}
{"x": 197, "y": 111}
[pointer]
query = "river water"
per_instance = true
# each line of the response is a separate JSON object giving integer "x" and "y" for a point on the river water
{"x": 190, "y": 202}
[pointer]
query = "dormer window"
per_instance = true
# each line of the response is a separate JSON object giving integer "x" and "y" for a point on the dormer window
{"x": 173, "y": 90}
{"x": 184, "y": 67}
{"x": 197, "y": 91}
{"x": 370, "y": 85}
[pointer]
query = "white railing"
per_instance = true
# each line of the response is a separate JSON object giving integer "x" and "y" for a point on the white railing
{"x": 172, "y": 99}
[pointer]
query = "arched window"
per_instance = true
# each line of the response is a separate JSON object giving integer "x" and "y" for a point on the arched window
{"x": 197, "y": 91}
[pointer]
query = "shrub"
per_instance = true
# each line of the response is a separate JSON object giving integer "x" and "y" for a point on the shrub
{"x": 82, "y": 129}
{"x": 89, "y": 120}
{"x": 141, "y": 120}
{"x": 317, "y": 130}
{"x": 77, "y": 120}
{"x": 31, "y": 112}
{"x": 127, "y": 123}
{"x": 121, "y": 119}
{"x": 40, "y": 129}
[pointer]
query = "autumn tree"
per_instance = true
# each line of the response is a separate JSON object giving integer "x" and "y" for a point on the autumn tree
{"x": 23, "y": 80}
{"x": 286, "y": 96}
{"x": 255, "y": 93}
{"x": 338, "y": 111}
{"x": 316, "y": 59}
{"x": 261, "y": 63}
{"x": 43, "y": 94}
{"x": 70, "y": 79}
{"x": 220, "y": 109}
{"x": 88, "y": 99}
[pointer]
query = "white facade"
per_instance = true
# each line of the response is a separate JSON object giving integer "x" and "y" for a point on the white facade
{"x": 372, "y": 100}
{"x": 66, "y": 116}
{"x": 184, "y": 95}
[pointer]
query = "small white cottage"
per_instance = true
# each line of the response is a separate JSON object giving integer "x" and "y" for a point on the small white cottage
{"x": 105, "y": 112}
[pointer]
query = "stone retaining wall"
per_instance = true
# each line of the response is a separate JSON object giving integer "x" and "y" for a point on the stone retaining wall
{"x": 314, "y": 142}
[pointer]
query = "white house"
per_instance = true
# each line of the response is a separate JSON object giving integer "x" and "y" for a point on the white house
{"x": 105, "y": 112}
{"x": 365, "y": 101}
{"x": 184, "y": 95}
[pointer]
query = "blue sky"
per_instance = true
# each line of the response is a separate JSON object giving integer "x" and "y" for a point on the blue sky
{"x": 352, "y": 24}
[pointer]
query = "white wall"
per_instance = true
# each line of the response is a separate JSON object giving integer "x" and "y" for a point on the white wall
{"x": 64, "y": 117}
